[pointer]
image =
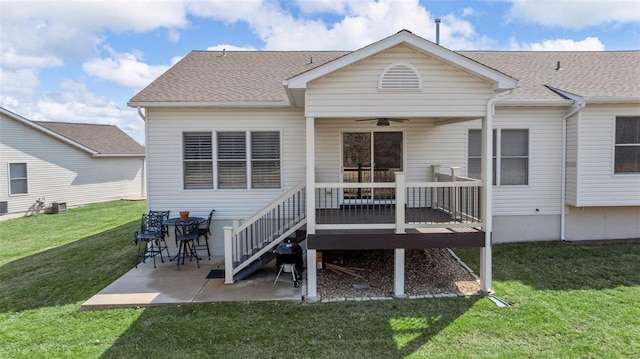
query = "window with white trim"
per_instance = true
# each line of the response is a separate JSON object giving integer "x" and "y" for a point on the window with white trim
{"x": 255, "y": 156}
{"x": 18, "y": 179}
{"x": 510, "y": 156}
{"x": 197, "y": 161}
{"x": 627, "y": 145}
{"x": 265, "y": 159}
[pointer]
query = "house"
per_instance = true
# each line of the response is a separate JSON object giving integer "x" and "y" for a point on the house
{"x": 56, "y": 165}
{"x": 400, "y": 144}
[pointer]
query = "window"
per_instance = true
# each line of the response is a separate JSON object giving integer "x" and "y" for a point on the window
{"x": 511, "y": 147}
{"x": 232, "y": 160}
{"x": 265, "y": 160}
{"x": 18, "y": 178}
{"x": 627, "y": 146}
{"x": 257, "y": 160}
{"x": 198, "y": 161}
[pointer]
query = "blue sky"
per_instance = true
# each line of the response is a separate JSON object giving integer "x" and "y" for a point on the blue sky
{"x": 82, "y": 60}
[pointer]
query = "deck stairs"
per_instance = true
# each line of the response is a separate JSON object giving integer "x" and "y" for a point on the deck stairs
{"x": 250, "y": 245}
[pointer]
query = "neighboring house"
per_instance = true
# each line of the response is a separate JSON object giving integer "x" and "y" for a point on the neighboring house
{"x": 55, "y": 165}
{"x": 276, "y": 140}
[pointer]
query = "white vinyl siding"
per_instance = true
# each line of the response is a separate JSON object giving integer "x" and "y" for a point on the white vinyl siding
{"x": 165, "y": 126}
{"x": 627, "y": 146}
{"x": 198, "y": 161}
{"x": 354, "y": 91}
{"x": 18, "y": 179}
{"x": 597, "y": 182}
{"x": 59, "y": 172}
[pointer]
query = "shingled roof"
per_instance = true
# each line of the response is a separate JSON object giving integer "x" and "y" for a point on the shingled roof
{"x": 257, "y": 76}
{"x": 589, "y": 74}
{"x": 238, "y": 76}
{"x": 104, "y": 139}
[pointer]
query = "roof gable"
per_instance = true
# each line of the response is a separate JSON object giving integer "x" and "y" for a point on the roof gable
{"x": 97, "y": 140}
{"x": 501, "y": 81}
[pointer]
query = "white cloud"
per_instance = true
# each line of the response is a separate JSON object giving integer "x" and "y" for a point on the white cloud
{"x": 588, "y": 44}
{"x": 575, "y": 14}
{"x": 44, "y": 32}
{"x": 230, "y": 48}
{"x": 323, "y": 6}
{"x": 123, "y": 69}
{"x": 18, "y": 82}
{"x": 363, "y": 22}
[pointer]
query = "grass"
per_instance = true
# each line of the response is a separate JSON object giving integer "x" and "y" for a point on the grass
{"x": 570, "y": 301}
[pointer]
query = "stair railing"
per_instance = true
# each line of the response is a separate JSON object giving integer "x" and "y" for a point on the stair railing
{"x": 263, "y": 231}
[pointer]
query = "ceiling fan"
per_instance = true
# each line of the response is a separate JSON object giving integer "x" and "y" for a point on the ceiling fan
{"x": 383, "y": 121}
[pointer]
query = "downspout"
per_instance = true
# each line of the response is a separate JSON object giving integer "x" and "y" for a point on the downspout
{"x": 580, "y": 104}
{"x": 487, "y": 159}
{"x": 142, "y": 116}
{"x": 145, "y": 180}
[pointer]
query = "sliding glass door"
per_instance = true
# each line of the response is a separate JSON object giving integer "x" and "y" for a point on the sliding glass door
{"x": 371, "y": 157}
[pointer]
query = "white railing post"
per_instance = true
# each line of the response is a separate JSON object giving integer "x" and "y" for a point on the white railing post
{"x": 400, "y": 203}
{"x": 228, "y": 255}
{"x": 434, "y": 190}
{"x": 455, "y": 205}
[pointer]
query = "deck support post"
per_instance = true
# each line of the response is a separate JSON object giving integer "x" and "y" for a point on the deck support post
{"x": 398, "y": 277}
{"x": 312, "y": 284}
{"x": 228, "y": 255}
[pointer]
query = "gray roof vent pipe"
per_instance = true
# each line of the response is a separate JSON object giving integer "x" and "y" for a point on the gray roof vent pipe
{"x": 224, "y": 52}
{"x": 438, "y": 21}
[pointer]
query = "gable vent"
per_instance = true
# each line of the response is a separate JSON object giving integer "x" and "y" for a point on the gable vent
{"x": 400, "y": 77}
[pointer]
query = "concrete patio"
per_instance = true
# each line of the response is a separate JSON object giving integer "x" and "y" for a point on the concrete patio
{"x": 165, "y": 285}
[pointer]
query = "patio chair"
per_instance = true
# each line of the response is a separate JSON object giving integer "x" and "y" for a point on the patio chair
{"x": 150, "y": 240}
{"x": 204, "y": 231}
{"x": 158, "y": 217}
{"x": 186, "y": 235}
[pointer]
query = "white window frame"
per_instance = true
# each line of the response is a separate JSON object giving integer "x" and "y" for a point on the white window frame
{"x": 248, "y": 160}
{"x": 616, "y": 145}
{"x": 12, "y": 179}
{"x": 185, "y": 160}
{"x": 498, "y": 157}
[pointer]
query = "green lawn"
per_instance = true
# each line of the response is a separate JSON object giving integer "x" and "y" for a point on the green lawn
{"x": 569, "y": 301}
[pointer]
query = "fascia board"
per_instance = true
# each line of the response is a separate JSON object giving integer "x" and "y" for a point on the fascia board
{"x": 208, "y": 104}
{"x": 119, "y": 155}
{"x": 606, "y": 100}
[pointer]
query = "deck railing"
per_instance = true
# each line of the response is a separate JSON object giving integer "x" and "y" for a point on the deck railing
{"x": 450, "y": 201}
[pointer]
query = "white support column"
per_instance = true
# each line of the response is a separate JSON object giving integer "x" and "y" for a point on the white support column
{"x": 400, "y": 202}
{"x": 487, "y": 200}
{"x": 312, "y": 284}
{"x": 228, "y": 255}
{"x": 398, "y": 274}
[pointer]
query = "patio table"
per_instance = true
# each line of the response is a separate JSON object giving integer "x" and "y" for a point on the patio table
{"x": 173, "y": 221}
